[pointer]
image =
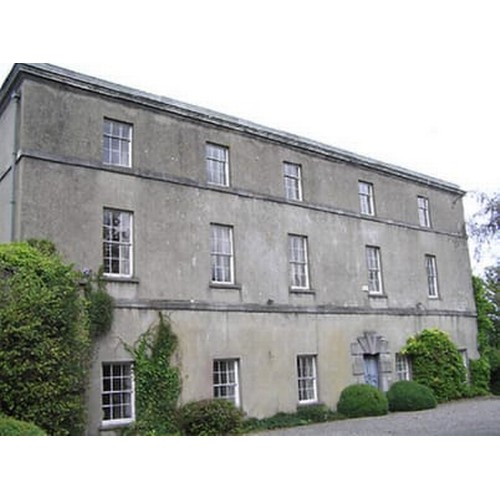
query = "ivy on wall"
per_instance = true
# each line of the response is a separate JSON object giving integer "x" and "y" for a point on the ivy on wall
{"x": 157, "y": 381}
{"x": 437, "y": 364}
{"x": 100, "y": 305}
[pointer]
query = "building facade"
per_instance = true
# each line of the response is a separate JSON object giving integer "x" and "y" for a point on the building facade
{"x": 289, "y": 269}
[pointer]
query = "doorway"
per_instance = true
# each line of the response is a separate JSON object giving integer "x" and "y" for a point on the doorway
{"x": 372, "y": 376}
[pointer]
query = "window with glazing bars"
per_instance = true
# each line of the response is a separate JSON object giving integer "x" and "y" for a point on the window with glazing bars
{"x": 424, "y": 215}
{"x": 217, "y": 158}
{"x": 307, "y": 383}
{"x": 117, "y": 243}
{"x": 366, "y": 198}
{"x": 117, "y": 392}
{"x": 117, "y": 143}
{"x": 432, "y": 277}
{"x": 293, "y": 181}
{"x": 226, "y": 380}
{"x": 299, "y": 265}
{"x": 403, "y": 368}
{"x": 222, "y": 254}
{"x": 374, "y": 270}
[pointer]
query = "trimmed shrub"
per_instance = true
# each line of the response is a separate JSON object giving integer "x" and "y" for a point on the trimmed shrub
{"x": 410, "y": 396}
{"x": 362, "y": 400}
{"x": 211, "y": 417}
{"x": 12, "y": 427}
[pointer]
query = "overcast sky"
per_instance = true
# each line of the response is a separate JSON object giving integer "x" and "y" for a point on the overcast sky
{"x": 415, "y": 84}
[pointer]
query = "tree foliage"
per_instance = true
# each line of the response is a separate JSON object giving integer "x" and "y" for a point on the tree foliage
{"x": 484, "y": 226}
{"x": 488, "y": 316}
{"x": 485, "y": 310}
{"x": 492, "y": 295}
{"x": 44, "y": 340}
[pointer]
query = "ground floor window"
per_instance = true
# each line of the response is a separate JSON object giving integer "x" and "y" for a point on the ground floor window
{"x": 117, "y": 393}
{"x": 403, "y": 367}
{"x": 465, "y": 361}
{"x": 307, "y": 379}
{"x": 226, "y": 380}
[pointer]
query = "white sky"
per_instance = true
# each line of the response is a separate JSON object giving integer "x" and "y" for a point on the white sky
{"x": 412, "y": 83}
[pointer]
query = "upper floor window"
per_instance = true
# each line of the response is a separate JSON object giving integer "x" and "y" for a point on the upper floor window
{"x": 226, "y": 380}
{"x": 222, "y": 254}
{"x": 373, "y": 261}
{"x": 432, "y": 277}
{"x": 424, "y": 214}
{"x": 117, "y": 393}
{"x": 293, "y": 181}
{"x": 117, "y": 143}
{"x": 217, "y": 158}
{"x": 307, "y": 379}
{"x": 366, "y": 198}
{"x": 117, "y": 243}
{"x": 299, "y": 262}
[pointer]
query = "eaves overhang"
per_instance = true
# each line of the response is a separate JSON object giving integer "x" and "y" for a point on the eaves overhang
{"x": 190, "y": 112}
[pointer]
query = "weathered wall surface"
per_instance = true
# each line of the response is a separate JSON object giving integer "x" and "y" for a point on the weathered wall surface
{"x": 65, "y": 188}
{"x": 7, "y": 146}
{"x": 267, "y": 346}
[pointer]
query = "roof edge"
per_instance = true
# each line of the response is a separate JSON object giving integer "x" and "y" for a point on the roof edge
{"x": 96, "y": 85}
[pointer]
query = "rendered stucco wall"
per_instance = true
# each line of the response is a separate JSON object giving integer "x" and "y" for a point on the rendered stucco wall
{"x": 65, "y": 188}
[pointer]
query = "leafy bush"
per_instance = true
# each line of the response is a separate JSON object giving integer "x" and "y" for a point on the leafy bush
{"x": 12, "y": 427}
{"x": 410, "y": 396}
{"x": 44, "y": 339}
{"x": 480, "y": 376}
{"x": 437, "y": 364}
{"x": 315, "y": 413}
{"x": 305, "y": 415}
{"x": 213, "y": 417}
{"x": 157, "y": 382}
{"x": 362, "y": 400}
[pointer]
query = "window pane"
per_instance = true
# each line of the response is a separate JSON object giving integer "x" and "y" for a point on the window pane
{"x": 374, "y": 269}
{"x": 117, "y": 242}
{"x": 293, "y": 187}
{"x": 117, "y": 143}
{"x": 225, "y": 377}
{"x": 217, "y": 160}
{"x": 299, "y": 274}
{"x": 306, "y": 369}
{"x": 222, "y": 254}
{"x": 366, "y": 198}
{"x": 117, "y": 392}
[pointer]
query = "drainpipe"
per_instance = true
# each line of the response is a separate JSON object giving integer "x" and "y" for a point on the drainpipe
{"x": 16, "y": 97}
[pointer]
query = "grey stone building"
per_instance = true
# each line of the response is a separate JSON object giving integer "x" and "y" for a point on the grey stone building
{"x": 290, "y": 269}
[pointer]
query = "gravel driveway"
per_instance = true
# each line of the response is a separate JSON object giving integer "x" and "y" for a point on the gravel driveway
{"x": 473, "y": 417}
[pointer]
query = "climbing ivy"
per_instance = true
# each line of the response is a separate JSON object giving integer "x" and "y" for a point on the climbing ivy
{"x": 157, "y": 381}
{"x": 100, "y": 305}
{"x": 437, "y": 364}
